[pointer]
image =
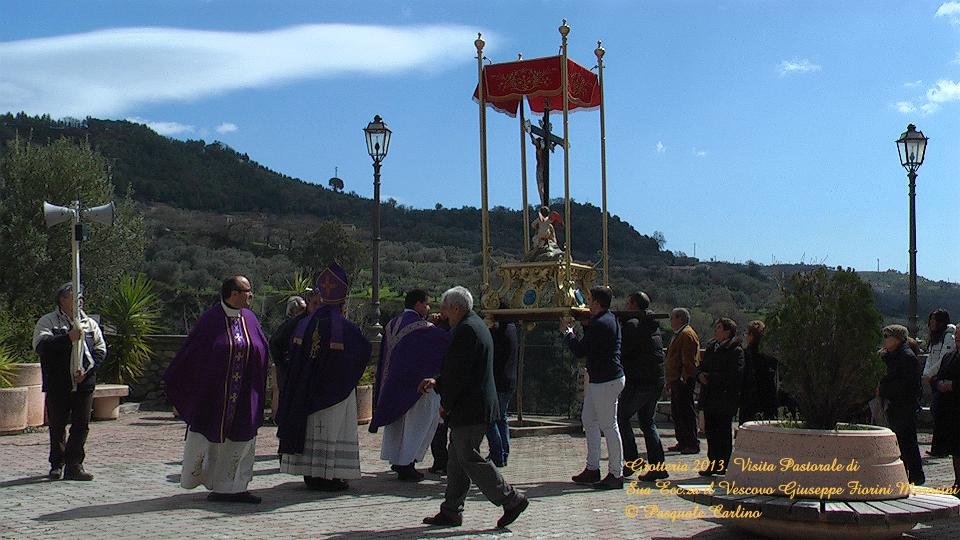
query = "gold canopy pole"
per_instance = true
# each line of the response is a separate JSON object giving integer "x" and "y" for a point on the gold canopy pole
{"x": 599, "y": 51}
{"x": 523, "y": 176}
{"x": 564, "y": 30}
{"x": 484, "y": 213}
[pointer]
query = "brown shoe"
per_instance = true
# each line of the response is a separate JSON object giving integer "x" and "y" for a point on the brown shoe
{"x": 443, "y": 520}
{"x": 76, "y": 472}
{"x": 587, "y": 476}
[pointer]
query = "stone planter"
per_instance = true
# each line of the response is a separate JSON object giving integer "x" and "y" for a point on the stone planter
{"x": 861, "y": 464}
{"x": 364, "y": 404}
{"x": 29, "y": 375}
{"x": 13, "y": 409}
{"x": 106, "y": 400}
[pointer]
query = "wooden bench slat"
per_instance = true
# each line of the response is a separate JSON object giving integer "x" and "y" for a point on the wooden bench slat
{"x": 895, "y": 513}
{"x": 945, "y": 501}
{"x": 838, "y": 512}
{"x": 805, "y": 510}
{"x": 867, "y": 514}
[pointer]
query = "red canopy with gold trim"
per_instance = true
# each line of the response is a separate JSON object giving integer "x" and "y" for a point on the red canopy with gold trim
{"x": 539, "y": 79}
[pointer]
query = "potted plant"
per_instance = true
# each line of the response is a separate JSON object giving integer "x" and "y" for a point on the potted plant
{"x": 15, "y": 336}
{"x": 131, "y": 315}
{"x": 13, "y": 400}
{"x": 825, "y": 331}
{"x": 365, "y": 395}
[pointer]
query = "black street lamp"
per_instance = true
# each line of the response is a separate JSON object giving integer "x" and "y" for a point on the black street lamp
{"x": 912, "y": 146}
{"x": 378, "y": 141}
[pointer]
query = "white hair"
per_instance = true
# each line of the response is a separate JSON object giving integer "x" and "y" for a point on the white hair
{"x": 459, "y": 297}
{"x": 294, "y": 303}
{"x": 681, "y": 313}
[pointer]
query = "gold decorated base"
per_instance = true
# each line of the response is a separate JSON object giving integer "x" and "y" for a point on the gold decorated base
{"x": 540, "y": 291}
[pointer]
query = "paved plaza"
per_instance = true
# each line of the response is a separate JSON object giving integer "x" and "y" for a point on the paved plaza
{"x": 136, "y": 494}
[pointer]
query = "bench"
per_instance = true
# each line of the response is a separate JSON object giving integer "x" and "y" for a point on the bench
{"x": 106, "y": 400}
{"x": 782, "y": 517}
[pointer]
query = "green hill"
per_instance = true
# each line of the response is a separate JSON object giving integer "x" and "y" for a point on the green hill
{"x": 200, "y": 231}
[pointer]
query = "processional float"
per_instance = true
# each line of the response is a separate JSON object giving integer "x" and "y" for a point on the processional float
{"x": 547, "y": 284}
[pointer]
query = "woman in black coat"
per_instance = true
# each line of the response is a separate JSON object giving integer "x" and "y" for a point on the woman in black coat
{"x": 720, "y": 373}
{"x": 946, "y": 430}
{"x": 758, "y": 395}
{"x": 901, "y": 386}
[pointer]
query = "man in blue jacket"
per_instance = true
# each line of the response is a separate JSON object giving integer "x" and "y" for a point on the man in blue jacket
{"x": 600, "y": 345}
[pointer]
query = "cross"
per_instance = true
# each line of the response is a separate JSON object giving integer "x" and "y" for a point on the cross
{"x": 328, "y": 286}
{"x": 545, "y": 142}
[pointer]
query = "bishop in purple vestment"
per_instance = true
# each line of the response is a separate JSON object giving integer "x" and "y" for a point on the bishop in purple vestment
{"x": 217, "y": 382}
{"x": 412, "y": 350}
{"x": 317, "y": 420}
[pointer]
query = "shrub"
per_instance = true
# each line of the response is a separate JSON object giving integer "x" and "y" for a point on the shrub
{"x": 825, "y": 331}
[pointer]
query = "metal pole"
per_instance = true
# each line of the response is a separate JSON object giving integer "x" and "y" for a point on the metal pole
{"x": 521, "y": 328}
{"x": 564, "y": 30}
{"x": 523, "y": 176}
{"x": 77, "y": 350}
{"x": 912, "y": 305}
{"x": 375, "y": 327}
{"x": 484, "y": 212}
{"x": 599, "y": 51}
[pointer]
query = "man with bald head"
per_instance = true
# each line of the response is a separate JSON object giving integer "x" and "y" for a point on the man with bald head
{"x": 217, "y": 382}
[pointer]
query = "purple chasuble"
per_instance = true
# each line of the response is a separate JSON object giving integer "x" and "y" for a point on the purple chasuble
{"x": 319, "y": 375}
{"x": 412, "y": 350}
{"x": 217, "y": 381}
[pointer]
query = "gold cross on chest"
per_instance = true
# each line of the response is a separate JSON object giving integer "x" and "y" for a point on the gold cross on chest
{"x": 328, "y": 286}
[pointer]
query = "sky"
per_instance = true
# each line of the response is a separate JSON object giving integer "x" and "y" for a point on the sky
{"x": 741, "y": 129}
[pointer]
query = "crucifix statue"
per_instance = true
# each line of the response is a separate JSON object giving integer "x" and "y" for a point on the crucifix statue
{"x": 544, "y": 141}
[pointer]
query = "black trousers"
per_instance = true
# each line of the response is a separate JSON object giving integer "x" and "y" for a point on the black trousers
{"x": 438, "y": 446}
{"x": 72, "y": 408}
{"x": 465, "y": 464}
{"x": 719, "y": 439}
{"x": 684, "y": 414}
{"x": 903, "y": 422}
{"x": 642, "y": 401}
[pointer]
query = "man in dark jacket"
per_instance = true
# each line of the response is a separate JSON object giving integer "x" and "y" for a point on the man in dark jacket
{"x": 69, "y": 391}
{"x": 758, "y": 393}
{"x": 600, "y": 345}
{"x": 720, "y": 374}
{"x": 505, "y": 348}
{"x": 468, "y": 402}
{"x": 643, "y": 367}
{"x": 901, "y": 386}
{"x": 280, "y": 342}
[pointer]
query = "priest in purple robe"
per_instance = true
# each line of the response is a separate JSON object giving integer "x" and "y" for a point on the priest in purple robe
{"x": 217, "y": 382}
{"x": 317, "y": 420}
{"x": 411, "y": 351}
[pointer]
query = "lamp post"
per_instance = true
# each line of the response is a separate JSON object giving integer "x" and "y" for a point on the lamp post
{"x": 912, "y": 146}
{"x": 378, "y": 141}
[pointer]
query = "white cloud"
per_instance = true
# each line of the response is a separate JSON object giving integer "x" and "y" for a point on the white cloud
{"x": 913, "y": 84}
{"x": 906, "y": 107}
{"x": 950, "y": 10}
{"x": 944, "y": 91}
{"x": 167, "y": 129}
{"x": 660, "y": 147}
{"x": 109, "y": 72}
{"x": 930, "y": 108}
{"x": 227, "y": 127}
{"x": 797, "y": 65}
{"x": 699, "y": 153}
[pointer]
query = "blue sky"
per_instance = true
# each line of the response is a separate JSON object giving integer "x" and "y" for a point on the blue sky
{"x": 755, "y": 129}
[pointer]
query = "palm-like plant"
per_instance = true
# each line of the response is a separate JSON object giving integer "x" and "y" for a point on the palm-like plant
{"x": 133, "y": 313}
{"x": 297, "y": 286}
{"x": 7, "y": 365}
